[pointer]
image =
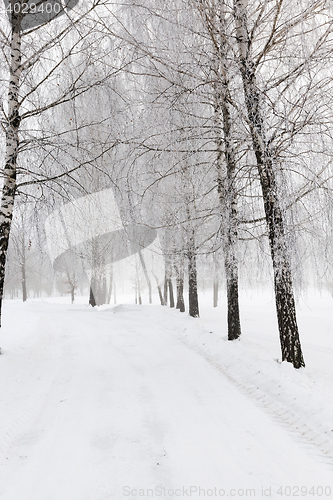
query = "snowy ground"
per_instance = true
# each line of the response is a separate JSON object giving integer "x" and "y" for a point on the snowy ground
{"x": 145, "y": 402}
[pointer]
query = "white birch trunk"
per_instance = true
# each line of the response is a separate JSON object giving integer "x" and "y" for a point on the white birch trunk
{"x": 284, "y": 296}
{"x": 226, "y": 168}
{"x": 12, "y": 145}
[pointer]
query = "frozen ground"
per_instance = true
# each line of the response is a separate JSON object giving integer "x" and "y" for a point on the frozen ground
{"x": 145, "y": 402}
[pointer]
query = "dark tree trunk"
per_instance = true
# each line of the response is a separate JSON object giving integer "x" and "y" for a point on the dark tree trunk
{"x": 171, "y": 296}
{"x": 284, "y": 296}
{"x": 228, "y": 204}
{"x": 180, "y": 291}
{"x": 72, "y": 293}
{"x": 165, "y": 291}
{"x": 231, "y": 270}
{"x": 192, "y": 277}
{"x": 234, "y": 327}
{"x": 216, "y": 282}
{"x": 226, "y": 170}
{"x": 160, "y": 295}
{"x": 92, "y": 300}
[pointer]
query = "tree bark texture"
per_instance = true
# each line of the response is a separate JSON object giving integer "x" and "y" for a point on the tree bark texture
{"x": 160, "y": 295}
{"x": 165, "y": 291}
{"x": 284, "y": 295}
{"x": 92, "y": 301}
{"x": 226, "y": 178}
{"x": 180, "y": 286}
{"x": 171, "y": 295}
{"x": 192, "y": 276}
{"x": 215, "y": 281}
{"x": 24, "y": 282}
{"x": 12, "y": 145}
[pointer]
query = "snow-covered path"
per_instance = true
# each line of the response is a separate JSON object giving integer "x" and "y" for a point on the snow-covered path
{"x": 110, "y": 404}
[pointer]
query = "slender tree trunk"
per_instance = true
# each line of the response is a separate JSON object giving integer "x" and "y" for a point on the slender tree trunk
{"x": 180, "y": 294}
{"x": 216, "y": 282}
{"x": 12, "y": 144}
{"x": 92, "y": 300}
{"x": 284, "y": 295}
{"x": 192, "y": 276}
{"x": 98, "y": 276}
{"x": 180, "y": 288}
{"x": 171, "y": 295}
{"x": 226, "y": 168}
{"x": 103, "y": 292}
{"x": 160, "y": 295}
{"x": 215, "y": 293}
{"x": 138, "y": 288}
{"x": 23, "y": 265}
{"x": 165, "y": 291}
{"x": 230, "y": 238}
{"x": 24, "y": 282}
{"x": 72, "y": 293}
{"x": 108, "y": 299}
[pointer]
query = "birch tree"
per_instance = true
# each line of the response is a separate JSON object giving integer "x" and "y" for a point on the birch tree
{"x": 266, "y": 157}
{"x": 285, "y": 302}
{"x": 278, "y": 51}
{"x": 214, "y": 20}
{"x": 50, "y": 63}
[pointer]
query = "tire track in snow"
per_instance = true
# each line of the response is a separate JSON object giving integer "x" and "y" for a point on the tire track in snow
{"x": 306, "y": 432}
{"x": 284, "y": 415}
{"x": 259, "y": 384}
